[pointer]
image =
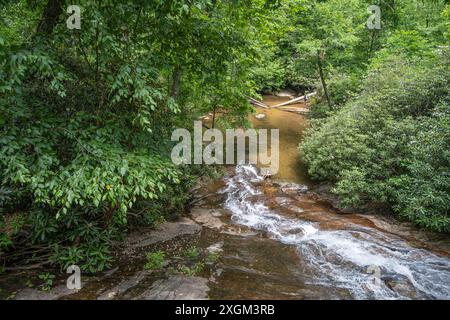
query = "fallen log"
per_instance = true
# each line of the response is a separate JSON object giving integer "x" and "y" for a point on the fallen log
{"x": 296, "y": 110}
{"x": 257, "y": 103}
{"x": 295, "y": 100}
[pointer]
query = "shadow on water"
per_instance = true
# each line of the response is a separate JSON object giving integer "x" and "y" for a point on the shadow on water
{"x": 291, "y": 127}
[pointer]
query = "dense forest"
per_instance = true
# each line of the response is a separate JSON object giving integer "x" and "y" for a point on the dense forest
{"x": 86, "y": 113}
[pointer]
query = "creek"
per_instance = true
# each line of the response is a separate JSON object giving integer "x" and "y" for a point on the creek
{"x": 275, "y": 239}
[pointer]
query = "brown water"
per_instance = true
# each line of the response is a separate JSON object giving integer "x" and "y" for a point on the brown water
{"x": 277, "y": 240}
{"x": 304, "y": 249}
{"x": 291, "y": 128}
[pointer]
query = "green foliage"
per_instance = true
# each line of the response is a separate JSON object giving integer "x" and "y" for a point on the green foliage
{"x": 47, "y": 279}
{"x": 192, "y": 253}
{"x": 332, "y": 27}
{"x": 390, "y": 145}
{"x": 410, "y": 44}
{"x": 337, "y": 29}
{"x": 192, "y": 271}
{"x": 212, "y": 257}
{"x": 155, "y": 260}
{"x": 388, "y": 142}
{"x": 194, "y": 261}
{"x": 343, "y": 87}
{"x": 86, "y": 116}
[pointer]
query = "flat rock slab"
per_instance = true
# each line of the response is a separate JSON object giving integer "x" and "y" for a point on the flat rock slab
{"x": 163, "y": 232}
{"x": 123, "y": 286}
{"x": 207, "y": 217}
{"x": 238, "y": 231}
{"x": 52, "y": 294}
{"x": 293, "y": 188}
{"x": 215, "y": 248}
{"x": 177, "y": 288}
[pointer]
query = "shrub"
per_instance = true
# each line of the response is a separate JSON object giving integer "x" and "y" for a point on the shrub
{"x": 391, "y": 144}
{"x": 71, "y": 174}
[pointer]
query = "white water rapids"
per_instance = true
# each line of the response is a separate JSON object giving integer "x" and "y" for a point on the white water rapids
{"x": 366, "y": 262}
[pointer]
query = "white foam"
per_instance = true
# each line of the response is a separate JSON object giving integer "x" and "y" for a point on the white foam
{"x": 339, "y": 258}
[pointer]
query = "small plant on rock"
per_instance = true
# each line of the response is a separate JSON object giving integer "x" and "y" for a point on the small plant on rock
{"x": 192, "y": 253}
{"x": 155, "y": 260}
{"x": 47, "y": 279}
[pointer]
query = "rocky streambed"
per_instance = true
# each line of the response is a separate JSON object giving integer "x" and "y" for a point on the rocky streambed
{"x": 270, "y": 240}
{"x": 246, "y": 237}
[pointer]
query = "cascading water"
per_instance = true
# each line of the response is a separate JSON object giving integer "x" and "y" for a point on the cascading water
{"x": 368, "y": 263}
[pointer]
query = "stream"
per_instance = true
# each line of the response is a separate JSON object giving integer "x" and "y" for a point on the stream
{"x": 275, "y": 239}
{"x": 311, "y": 251}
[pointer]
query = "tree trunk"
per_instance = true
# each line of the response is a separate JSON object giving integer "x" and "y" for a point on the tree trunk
{"x": 373, "y": 36}
{"x": 50, "y": 17}
{"x": 176, "y": 81}
{"x": 320, "y": 58}
{"x": 214, "y": 117}
{"x": 371, "y": 42}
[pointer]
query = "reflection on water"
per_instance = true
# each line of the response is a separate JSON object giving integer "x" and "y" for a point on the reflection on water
{"x": 277, "y": 240}
{"x": 306, "y": 250}
{"x": 291, "y": 128}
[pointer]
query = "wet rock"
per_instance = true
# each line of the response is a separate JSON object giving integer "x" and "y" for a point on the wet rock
{"x": 207, "y": 217}
{"x": 123, "y": 286}
{"x": 217, "y": 213}
{"x": 216, "y": 274}
{"x": 109, "y": 273}
{"x": 323, "y": 190}
{"x": 285, "y": 203}
{"x": 177, "y": 288}
{"x": 215, "y": 248}
{"x": 293, "y": 188}
{"x": 206, "y": 200}
{"x": 282, "y": 201}
{"x": 402, "y": 286}
{"x": 295, "y": 209}
{"x": 257, "y": 181}
{"x": 238, "y": 231}
{"x": 54, "y": 293}
{"x": 387, "y": 223}
{"x": 165, "y": 231}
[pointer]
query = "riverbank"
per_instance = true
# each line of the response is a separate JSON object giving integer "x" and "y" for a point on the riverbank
{"x": 245, "y": 237}
{"x": 264, "y": 236}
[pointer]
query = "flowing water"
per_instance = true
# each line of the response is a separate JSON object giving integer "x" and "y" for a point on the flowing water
{"x": 276, "y": 239}
{"x": 305, "y": 249}
{"x": 349, "y": 259}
